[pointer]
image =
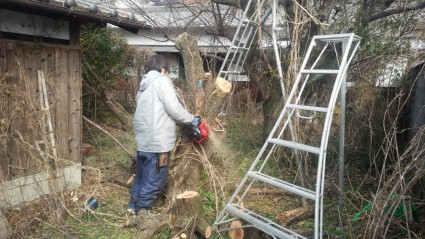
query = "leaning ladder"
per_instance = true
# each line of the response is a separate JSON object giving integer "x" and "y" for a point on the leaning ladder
{"x": 232, "y": 67}
{"x": 342, "y": 48}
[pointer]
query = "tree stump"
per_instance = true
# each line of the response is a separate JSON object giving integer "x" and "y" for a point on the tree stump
{"x": 189, "y": 205}
{"x": 149, "y": 223}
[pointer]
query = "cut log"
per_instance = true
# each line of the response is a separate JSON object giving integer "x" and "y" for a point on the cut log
{"x": 208, "y": 232}
{"x": 237, "y": 232}
{"x": 295, "y": 215}
{"x": 187, "y": 195}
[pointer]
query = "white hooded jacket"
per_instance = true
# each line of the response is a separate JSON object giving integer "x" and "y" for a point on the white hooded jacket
{"x": 157, "y": 112}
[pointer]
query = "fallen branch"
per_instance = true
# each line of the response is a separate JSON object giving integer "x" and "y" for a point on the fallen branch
{"x": 110, "y": 135}
{"x": 118, "y": 182}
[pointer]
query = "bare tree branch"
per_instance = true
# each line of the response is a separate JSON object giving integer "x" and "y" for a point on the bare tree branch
{"x": 233, "y": 3}
{"x": 393, "y": 11}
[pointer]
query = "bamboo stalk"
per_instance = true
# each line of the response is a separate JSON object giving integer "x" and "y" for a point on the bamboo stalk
{"x": 45, "y": 103}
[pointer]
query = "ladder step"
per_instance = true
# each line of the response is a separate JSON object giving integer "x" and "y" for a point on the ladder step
{"x": 239, "y": 48}
{"x": 306, "y": 107}
{"x": 262, "y": 223}
{"x": 337, "y": 38}
{"x": 293, "y": 145}
{"x": 284, "y": 185}
{"x": 249, "y": 22}
{"x": 240, "y": 43}
{"x": 318, "y": 71}
{"x": 232, "y": 72}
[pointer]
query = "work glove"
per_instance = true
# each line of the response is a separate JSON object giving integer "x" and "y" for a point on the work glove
{"x": 196, "y": 121}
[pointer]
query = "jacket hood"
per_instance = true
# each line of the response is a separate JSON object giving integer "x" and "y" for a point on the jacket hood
{"x": 147, "y": 79}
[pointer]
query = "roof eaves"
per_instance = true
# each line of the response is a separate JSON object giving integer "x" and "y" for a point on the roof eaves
{"x": 88, "y": 9}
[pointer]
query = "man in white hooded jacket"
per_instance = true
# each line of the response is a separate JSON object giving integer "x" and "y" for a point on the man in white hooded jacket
{"x": 157, "y": 113}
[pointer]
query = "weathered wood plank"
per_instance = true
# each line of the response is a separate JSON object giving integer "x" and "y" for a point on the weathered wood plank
{"x": 60, "y": 80}
{"x": 74, "y": 104}
{"x": 47, "y": 67}
{"x": 30, "y": 124}
{"x": 17, "y": 155}
{"x": 4, "y": 114}
{"x": 3, "y": 62}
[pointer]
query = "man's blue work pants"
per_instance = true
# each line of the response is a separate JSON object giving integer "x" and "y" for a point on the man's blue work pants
{"x": 149, "y": 181}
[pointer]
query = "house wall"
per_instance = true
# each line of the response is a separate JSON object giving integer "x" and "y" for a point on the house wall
{"x": 174, "y": 61}
{"x": 416, "y": 109}
{"x": 21, "y": 118}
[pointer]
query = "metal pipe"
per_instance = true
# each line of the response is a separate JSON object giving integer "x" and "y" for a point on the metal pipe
{"x": 342, "y": 140}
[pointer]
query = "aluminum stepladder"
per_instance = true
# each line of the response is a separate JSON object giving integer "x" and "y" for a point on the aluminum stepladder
{"x": 312, "y": 73}
{"x": 232, "y": 67}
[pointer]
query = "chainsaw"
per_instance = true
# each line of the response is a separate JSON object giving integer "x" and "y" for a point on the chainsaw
{"x": 198, "y": 130}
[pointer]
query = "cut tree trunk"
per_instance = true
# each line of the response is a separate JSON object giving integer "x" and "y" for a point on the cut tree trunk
{"x": 205, "y": 101}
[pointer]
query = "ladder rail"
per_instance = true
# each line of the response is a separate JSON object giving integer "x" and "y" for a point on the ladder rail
{"x": 324, "y": 142}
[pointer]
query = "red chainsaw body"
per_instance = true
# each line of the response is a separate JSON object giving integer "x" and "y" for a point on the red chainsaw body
{"x": 204, "y": 130}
